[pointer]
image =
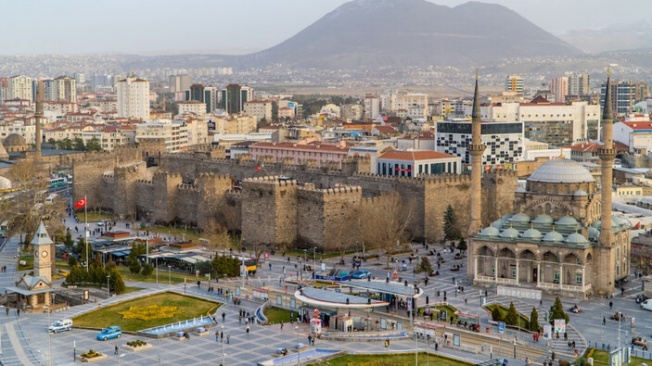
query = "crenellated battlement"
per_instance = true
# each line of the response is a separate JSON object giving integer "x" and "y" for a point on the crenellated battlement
{"x": 272, "y": 180}
{"x": 144, "y": 182}
{"x": 188, "y": 188}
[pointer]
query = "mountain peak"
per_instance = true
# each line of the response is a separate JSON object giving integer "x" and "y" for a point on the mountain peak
{"x": 378, "y": 33}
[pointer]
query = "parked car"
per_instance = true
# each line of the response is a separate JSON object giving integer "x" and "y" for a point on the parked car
{"x": 647, "y": 304}
{"x": 109, "y": 333}
{"x": 360, "y": 274}
{"x": 60, "y": 326}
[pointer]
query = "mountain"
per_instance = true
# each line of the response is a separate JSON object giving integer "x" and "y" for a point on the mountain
{"x": 399, "y": 33}
{"x": 612, "y": 38}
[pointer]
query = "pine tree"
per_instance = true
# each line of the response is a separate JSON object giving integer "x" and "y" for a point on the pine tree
{"x": 557, "y": 312}
{"x": 461, "y": 246}
{"x": 512, "y": 315}
{"x": 451, "y": 229}
{"x": 425, "y": 265}
{"x": 534, "y": 321}
{"x": 496, "y": 315}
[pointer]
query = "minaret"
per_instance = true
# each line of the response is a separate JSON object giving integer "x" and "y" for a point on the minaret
{"x": 476, "y": 149}
{"x": 38, "y": 116}
{"x": 607, "y": 155}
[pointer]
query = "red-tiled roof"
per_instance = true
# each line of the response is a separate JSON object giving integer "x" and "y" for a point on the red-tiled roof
{"x": 639, "y": 125}
{"x": 415, "y": 155}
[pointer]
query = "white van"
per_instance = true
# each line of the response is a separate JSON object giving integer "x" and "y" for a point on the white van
{"x": 647, "y": 304}
{"x": 60, "y": 326}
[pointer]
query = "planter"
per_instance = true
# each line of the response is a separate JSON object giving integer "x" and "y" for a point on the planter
{"x": 95, "y": 359}
{"x": 139, "y": 348}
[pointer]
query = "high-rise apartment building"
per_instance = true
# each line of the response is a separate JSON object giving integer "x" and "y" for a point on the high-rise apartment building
{"x": 206, "y": 94}
{"x": 234, "y": 96}
{"x": 559, "y": 88}
{"x": 578, "y": 85}
{"x": 62, "y": 88}
{"x": 4, "y": 89}
{"x": 178, "y": 86}
{"x": 623, "y": 95}
{"x": 20, "y": 86}
{"x": 514, "y": 83}
{"x": 371, "y": 106}
{"x": 415, "y": 105}
{"x": 133, "y": 98}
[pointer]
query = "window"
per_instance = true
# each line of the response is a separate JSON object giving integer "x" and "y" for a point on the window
{"x": 578, "y": 278}
{"x": 555, "y": 277}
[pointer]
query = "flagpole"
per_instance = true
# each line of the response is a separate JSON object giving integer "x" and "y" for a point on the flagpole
{"x": 86, "y": 230}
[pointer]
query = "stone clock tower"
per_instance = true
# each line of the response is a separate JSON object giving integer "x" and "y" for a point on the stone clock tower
{"x": 43, "y": 253}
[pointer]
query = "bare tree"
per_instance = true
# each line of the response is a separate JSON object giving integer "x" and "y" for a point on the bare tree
{"x": 346, "y": 233}
{"x": 384, "y": 226}
{"x": 24, "y": 209}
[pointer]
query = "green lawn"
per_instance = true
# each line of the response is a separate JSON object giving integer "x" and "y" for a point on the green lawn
{"x": 601, "y": 358}
{"x": 94, "y": 216}
{"x": 189, "y": 308}
{"x": 390, "y": 360}
{"x": 276, "y": 315}
{"x": 174, "y": 277}
{"x": 522, "y": 319}
{"x": 29, "y": 262}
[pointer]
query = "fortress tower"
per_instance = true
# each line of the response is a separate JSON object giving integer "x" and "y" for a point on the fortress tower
{"x": 476, "y": 150}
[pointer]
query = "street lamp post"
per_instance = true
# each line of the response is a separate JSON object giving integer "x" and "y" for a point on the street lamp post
{"x": 223, "y": 354}
{"x": 296, "y": 329}
{"x": 108, "y": 286}
{"x": 169, "y": 276}
{"x": 50, "y": 336}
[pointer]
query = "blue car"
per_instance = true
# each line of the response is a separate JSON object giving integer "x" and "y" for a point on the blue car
{"x": 109, "y": 333}
{"x": 360, "y": 274}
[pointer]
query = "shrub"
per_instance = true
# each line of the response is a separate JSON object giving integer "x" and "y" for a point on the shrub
{"x": 495, "y": 314}
{"x": 147, "y": 270}
{"x": 136, "y": 343}
{"x": 91, "y": 354}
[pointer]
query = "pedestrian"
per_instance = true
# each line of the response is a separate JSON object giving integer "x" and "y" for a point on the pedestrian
{"x": 309, "y": 339}
{"x": 611, "y": 305}
{"x": 247, "y": 329}
{"x": 217, "y": 336}
{"x": 198, "y": 284}
{"x": 622, "y": 291}
{"x": 222, "y": 336}
{"x": 116, "y": 350}
{"x": 387, "y": 343}
{"x": 18, "y": 312}
{"x": 565, "y": 336}
{"x": 281, "y": 325}
{"x": 553, "y": 356}
{"x": 228, "y": 338}
{"x": 436, "y": 346}
{"x": 223, "y": 317}
{"x": 527, "y": 361}
{"x": 465, "y": 301}
{"x": 7, "y": 310}
{"x": 270, "y": 266}
{"x": 604, "y": 320}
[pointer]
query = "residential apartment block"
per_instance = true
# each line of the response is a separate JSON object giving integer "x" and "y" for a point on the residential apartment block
{"x": 259, "y": 109}
{"x": 133, "y": 98}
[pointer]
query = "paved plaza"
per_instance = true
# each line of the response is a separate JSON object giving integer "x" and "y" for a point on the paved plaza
{"x": 25, "y": 339}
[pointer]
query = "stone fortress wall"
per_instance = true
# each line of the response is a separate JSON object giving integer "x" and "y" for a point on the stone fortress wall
{"x": 280, "y": 203}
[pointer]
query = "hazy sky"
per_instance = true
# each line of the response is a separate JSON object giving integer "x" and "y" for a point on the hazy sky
{"x": 146, "y": 26}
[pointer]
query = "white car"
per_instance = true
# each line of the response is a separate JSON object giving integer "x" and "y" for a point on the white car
{"x": 60, "y": 326}
{"x": 647, "y": 304}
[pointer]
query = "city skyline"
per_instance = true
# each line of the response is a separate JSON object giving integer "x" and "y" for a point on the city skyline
{"x": 239, "y": 27}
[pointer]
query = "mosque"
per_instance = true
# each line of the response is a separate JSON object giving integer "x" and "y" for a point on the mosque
{"x": 562, "y": 237}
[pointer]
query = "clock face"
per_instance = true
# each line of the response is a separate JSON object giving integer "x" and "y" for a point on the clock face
{"x": 44, "y": 253}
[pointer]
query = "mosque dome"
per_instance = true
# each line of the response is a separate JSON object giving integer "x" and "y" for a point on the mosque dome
{"x": 490, "y": 231}
{"x": 14, "y": 139}
{"x": 566, "y": 221}
{"x": 520, "y": 218}
{"x": 497, "y": 224}
{"x": 580, "y": 193}
{"x": 593, "y": 233}
{"x": 510, "y": 233}
{"x": 554, "y": 237}
{"x": 532, "y": 234}
{"x": 561, "y": 171}
{"x": 576, "y": 238}
{"x": 543, "y": 220}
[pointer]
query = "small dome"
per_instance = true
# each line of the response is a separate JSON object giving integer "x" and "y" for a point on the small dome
{"x": 520, "y": 218}
{"x": 14, "y": 139}
{"x": 509, "y": 233}
{"x": 580, "y": 193}
{"x": 566, "y": 220}
{"x": 490, "y": 231}
{"x": 561, "y": 171}
{"x": 497, "y": 224}
{"x": 614, "y": 224}
{"x": 554, "y": 237}
{"x": 619, "y": 221}
{"x": 532, "y": 234}
{"x": 593, "y": 233}
{"x": 543, "y": 220}
{"x": 576, "y": 238}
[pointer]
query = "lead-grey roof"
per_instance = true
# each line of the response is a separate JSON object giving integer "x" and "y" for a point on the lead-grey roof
{"x": 561, "y": 171}
{"x": 333, "y": 297}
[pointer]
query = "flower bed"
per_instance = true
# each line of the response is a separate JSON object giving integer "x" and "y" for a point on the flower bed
{"x": 150, "y": 312}
{"x": 93, "y": 356}
{"x": 137, "y": 346}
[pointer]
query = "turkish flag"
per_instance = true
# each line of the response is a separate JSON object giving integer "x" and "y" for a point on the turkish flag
{"x": 81, "y": 203}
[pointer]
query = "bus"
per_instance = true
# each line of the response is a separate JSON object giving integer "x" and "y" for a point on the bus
{"x": 57, "y": 182}
{"x": 3, "y": 229}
